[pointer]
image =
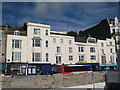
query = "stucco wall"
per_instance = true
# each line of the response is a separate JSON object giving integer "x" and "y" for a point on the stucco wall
{"x": 55, "y": 81}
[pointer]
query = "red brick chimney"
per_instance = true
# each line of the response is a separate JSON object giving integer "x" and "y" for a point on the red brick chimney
{"x": 6, "y": 26}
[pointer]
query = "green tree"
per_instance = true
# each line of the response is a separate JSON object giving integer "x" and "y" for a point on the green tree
{"x": 72, "y": 33}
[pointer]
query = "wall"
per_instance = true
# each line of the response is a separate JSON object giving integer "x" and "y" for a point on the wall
{"x": 87, "y": 54}
{"x": 23, "y": 49}
{"x": 106, "y": 47}
{"x": 55, "y": 81}
{"x": 2, "y": 49}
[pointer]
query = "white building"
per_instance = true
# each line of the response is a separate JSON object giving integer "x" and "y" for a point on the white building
{"x": 37, "y": 49}
{"x": 114, "y": 25}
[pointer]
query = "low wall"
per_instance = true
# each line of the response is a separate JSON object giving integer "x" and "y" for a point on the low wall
{"x": 54, "y": 81}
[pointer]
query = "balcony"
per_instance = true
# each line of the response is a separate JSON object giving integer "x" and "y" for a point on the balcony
{"x": 22, "y": 33}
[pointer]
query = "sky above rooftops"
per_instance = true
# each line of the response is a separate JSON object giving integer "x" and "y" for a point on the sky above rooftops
{"x": 61, "y": 16}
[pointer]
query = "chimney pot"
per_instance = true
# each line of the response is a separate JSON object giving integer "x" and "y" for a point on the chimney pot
{"x": 6, "y": 26}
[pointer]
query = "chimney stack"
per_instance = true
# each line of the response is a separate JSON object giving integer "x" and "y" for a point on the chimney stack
{"x": 6, "y": 26}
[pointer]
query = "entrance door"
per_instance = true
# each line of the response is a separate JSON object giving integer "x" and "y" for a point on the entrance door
{"x": 24, "y": 71}
{"x": 58, "y": 59}
{"x": 32, "y": 70}
{"x": 8, "y": 69}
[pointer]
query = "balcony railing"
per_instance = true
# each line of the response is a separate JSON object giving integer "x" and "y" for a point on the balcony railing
{"x": 22, "y": 33}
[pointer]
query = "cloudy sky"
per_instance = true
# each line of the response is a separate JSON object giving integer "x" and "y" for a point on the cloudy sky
{"x": 62, "y": 16}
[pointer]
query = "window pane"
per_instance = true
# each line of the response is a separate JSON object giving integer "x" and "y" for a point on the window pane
{"x": 47, "y": 56}
{"x": 16, "y": 56}
{"x": 103, "y": 58}
{"x": 92, "y": 49}
{"x": 46, "y": 43}
{"x": 36, "y": 57}
{"x": 81, "y": 58}
{"x": 0, "y": 42}
{"x": 61, "y": 40}
{"x": 46, "y": 32}
{"x": 70, "y": 49}
{"x": 16, "y": 43}
{"x": 93, "y": 57}
{"x": 29, "y": 70}
{"x": 33, "y": 70}
{"x": 70, "y": 41}
{"x": 58, "y": 49}
{"x": 36, "y": 42}
{"x": 36, "y": 31}
{"x": 54, "y": 40}
{"x": 80, "y": 49}
{"x": 70, "y": 57}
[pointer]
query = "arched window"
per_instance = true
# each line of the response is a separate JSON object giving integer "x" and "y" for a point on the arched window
{"x": 46, "y": 43}
{"x": 16, "y": 32}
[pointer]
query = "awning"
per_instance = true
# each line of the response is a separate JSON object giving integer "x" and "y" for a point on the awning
{"x": 107, "y": 65}
{"x": 88, "y": 64}
{"x": 112, "y": 65}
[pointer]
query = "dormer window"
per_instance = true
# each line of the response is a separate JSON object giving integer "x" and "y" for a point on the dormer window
{"x": 91, "y": 40}
{"x": 16, "y": 33}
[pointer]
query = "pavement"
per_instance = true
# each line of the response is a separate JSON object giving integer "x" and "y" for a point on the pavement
{"x": 95, "y": 86}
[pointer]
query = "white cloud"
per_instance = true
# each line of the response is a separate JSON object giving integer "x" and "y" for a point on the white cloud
{"x": 64, "y": 16}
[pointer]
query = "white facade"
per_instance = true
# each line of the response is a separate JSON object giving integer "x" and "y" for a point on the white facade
{"x": 106, "y": 51}
{"x": 115, "y": 30}
{"x": 39, "y": 46}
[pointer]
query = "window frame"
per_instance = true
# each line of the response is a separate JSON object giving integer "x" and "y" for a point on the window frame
{"x": 46, "y": 32}
{"x": 46, "y": 43}
{"x": 35, "y": 58}
{"x": 16, "y": 43}
{"x": 54, "y": 40}
{"x": 61, "y": 41}
{"x": 70, "y": 50}
{"x": 36, "y": 42}
{"x": 36, "y": 31}
{"x": 70, "y": 57}
{"x": 80, "y": 58}
{"x": 16, "y": 33}
{"x": 92, "y": 57}
{"x": 14, "y": 55}
{"x": 58, "y": 59}
{"x": 102, "y": 44}
{"x": 0, "y": 42}
{"x": 70, "y": 41}
{"x": 112, "y": 60}
{"x": 80, "y": 49}
{"x": 58, "y": 49}
{"x": 92, "y": 49}
{"x": 47, "y": 57}
{"x": 103, "y": 59}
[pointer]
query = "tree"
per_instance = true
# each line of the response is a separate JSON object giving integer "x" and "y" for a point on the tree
{"x": 72, "y": 33}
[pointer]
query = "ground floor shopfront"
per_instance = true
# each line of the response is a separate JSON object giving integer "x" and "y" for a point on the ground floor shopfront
{"x": 28, "y": 68}
{"x": 47, "y": 68}
{"x": 108, "y": 67}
